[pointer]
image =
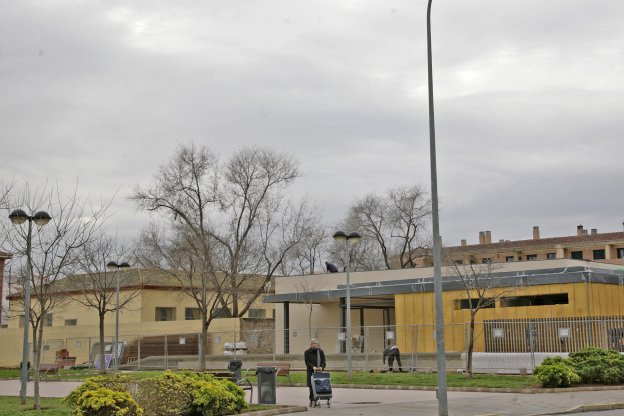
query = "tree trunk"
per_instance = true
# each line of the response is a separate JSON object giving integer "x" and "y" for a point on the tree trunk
{"x": 203, "y": 337}
{"x": 102, "y": 349}
{"x": 310, "y": 323}
{"x": 37, "y": 356}
{"x": 470, "y": 345}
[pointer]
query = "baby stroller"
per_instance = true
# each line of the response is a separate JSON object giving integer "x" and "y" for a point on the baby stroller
{"x": 321, "y": 388}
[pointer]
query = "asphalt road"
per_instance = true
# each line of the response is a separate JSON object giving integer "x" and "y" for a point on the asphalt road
{"x": 359, "y": 402}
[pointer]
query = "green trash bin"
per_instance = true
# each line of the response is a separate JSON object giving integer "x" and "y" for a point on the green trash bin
{"x": 266, "y": 385}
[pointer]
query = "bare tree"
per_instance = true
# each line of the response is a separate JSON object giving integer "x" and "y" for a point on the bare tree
{"x": 231, "y": 218}
{"x": 75, "y": 222}
{"x": 183, "y": 191}
{"x": 306, "y": 288}
{"x": 311, "y": 250}
{"x": 95, "y": 286}
{"x": 395, "y": 222}
{"x": 481, "y": 290}
{"x": 258, "y": 228}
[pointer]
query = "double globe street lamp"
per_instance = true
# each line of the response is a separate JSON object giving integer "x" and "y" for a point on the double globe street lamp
{"x": 113, "y": 265}
{"x": 40, "y": 218}
{"x": 340, "y": 237}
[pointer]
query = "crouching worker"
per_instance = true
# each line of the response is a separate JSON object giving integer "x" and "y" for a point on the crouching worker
{"x": 392, "y": 352}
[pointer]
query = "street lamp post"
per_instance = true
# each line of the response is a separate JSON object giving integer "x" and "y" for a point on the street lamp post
{"x": 353, "y": 238}
{"x": 437, "y": 249}
{"x": 114, "y": 265}
{"x": 40, "y": 218}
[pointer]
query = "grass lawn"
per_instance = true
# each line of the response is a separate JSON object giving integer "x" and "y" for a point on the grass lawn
{"x": 393, "y": 379}
{"x": 10, "y": 406}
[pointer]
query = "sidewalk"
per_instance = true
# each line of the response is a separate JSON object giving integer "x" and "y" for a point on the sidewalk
{"x": 357, "y": 402}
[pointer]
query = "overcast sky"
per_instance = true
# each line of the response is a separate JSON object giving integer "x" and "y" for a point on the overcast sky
{"x": 529, "y": 101}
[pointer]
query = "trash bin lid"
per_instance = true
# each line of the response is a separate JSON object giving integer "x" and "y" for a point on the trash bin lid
{"x": 265, "y": 369}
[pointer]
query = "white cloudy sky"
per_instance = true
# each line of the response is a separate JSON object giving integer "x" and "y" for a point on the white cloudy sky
{"x": 529, "y": 100}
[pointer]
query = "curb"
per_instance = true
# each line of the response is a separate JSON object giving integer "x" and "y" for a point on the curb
{"x": 472, "y": 389}
{"x": 278, "y": 410}
{"x": 593, "y": 408}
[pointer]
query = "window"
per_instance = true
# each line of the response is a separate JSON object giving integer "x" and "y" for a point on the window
{"x": 71, "y": 322}
{"x": 620, "y": 252}
{"x": 509, "y": 259}
{"x": 165, "y": 314}
{"x": 221, "y": 313}
{"x": 192, "y": 314}
{"x": 551, "y": 256}
{"x": 486, "y": 260}
{"x": 256, "y": 313}
{"x": 47, "y": 319}
{"x": 532, "y": 257}
{"x": 535, "y": 300}
{"x": 577, "y": 255}
{"x": 599, "y": 254}
{"x": 465, "y": 303}
{"x": 458, "y": 261}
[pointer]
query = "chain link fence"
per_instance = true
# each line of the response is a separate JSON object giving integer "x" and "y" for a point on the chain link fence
{"x": 499, "y": 345}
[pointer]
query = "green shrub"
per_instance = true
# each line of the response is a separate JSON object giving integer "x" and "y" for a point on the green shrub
{"x": 164, "y": 395}
{"x": 556, "y": 373}
{"x": 106, "y": 402}
{"x": 598, "y": 366}
{"x": 554, "y": 360}
{"x": 212, "y": 398}
{"x": 116, "y": 383}
{"x": 168, "y": 394}
{"x": 215, "y": 397}
{"x": 239, "y": 403}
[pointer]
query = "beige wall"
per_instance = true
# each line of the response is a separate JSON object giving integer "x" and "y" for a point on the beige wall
{"x": 138, "y": 319}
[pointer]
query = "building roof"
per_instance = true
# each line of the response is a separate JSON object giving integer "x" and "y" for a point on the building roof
{"x": 135, "y": 278}
{"x": 573, "y": 271}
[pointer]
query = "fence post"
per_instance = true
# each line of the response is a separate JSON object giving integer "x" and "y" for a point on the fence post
{"x": 365, "y": 341}
{"x": 531, "y": 344}
{"x": 166, "y": 363}
{"x": 139, "y": 352}
{"x": 605, "y": 331}
{"x": 466, "y": 342}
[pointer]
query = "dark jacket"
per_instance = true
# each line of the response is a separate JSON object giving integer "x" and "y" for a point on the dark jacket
{"x": 393, "y": 350}
{"x": 311, "y": 357}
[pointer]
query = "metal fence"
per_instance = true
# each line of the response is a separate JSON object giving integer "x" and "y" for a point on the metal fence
{"x": 495, "y": 339}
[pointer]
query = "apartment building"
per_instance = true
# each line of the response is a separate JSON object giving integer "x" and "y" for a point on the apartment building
{"x": 584, "y": 245}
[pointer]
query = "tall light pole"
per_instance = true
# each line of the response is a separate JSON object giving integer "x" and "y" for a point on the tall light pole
{"x": 353, "y": 238}
{"x": 114, "y": 265}
{"x": 437, "y": 255}
{"x": 40, "y": 218}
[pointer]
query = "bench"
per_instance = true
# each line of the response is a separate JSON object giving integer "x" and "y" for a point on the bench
{"x": 283, "y": 369}
{"x": 46, "y": 369}
{"x": 243, "y": 383}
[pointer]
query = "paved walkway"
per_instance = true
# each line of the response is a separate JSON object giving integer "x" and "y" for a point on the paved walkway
{"x": 359, "y": 402}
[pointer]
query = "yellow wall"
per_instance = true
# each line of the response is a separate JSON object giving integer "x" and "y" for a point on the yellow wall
{"x": 598, "y": 300}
